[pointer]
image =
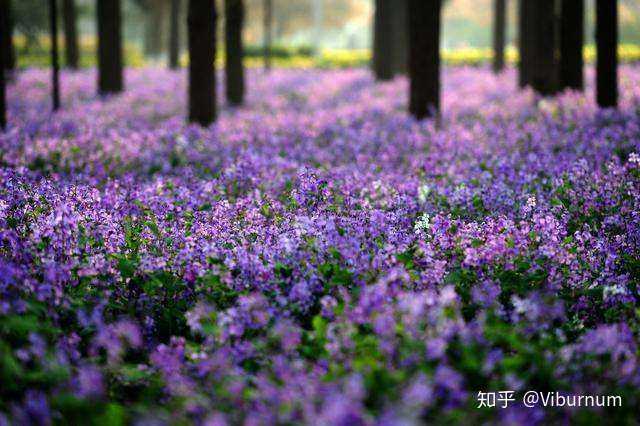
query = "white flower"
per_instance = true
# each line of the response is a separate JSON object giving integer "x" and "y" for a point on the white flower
{"x": 422, "y": 224}
{"x": 613, "y": 290}
{"x": 4, "y": 207}
{"x": 548, "y": 106}
{"x": 521, "y": 306}
{"x": 182, "y": 142}
{"x": 208, "y": 187}
{"x": 530, "y": 205}
{"x": 634, "y": 158}
{"x": 531, "y": 202}
{"x": 423, "y": 193}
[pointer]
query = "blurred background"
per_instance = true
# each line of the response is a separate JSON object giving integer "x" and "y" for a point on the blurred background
{"x": 324, "y": 33}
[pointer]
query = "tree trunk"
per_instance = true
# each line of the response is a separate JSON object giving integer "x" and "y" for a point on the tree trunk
{"x": 544, "y": 69}
{"x": 571, "y": 45}
{"x": 424, "y": 57}
{"x": 55, "y": 66}
{"x": 8, "y": 48}
{"x": 499, "y": 27}
{"x": 525, "y": 41}
{"x": 110, "y": 73}
{"x": 268, "y": 32}
{"x": 154, "y": 40}
{"x": 383, "y": 40}
{"x": 234, "y": 69}
{"x": 174, "y": 36}
{"x": 71, "y": 49}
{"x": 202, "y": 55}
{"x": 607, "y": 55}
{"x": 4, "y": 34}
{"x": 401, "y": 37}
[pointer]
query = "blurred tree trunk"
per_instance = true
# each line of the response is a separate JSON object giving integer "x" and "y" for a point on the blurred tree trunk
{"x": 110, "y": 72}
{"x": 607, "y": 55}
{"x": 571, "y": 44}
{"x": 525, "y": 41}
{"x": 499, "y": 30}
{"x": 267, "y": 32}
{"x": 383, "y": 40}
{"x": 234, "y": 69}
{"x": 174, "y": 35}
{"x": 544, "y": 67}
{"x": 154, "y": 27}
{"x": 55, "y": 65}
{"x": 4, "y": 34}
{"x": 424, "y": 57}
{"x": 72, "y": 51}
{"x": 8, "y": 47}
{"x": 202, "y": 55}
{"x": 401, "y": 36}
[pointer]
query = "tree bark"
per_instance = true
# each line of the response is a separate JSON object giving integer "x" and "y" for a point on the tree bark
{"x": 383, "y": 40}
{"x": 154, "y": 37}
{"x": 401, "y": 36}
{"x": 268, "y": 32}
{"x": 424, "y": 57}
{"x": 499, "y": 28}
{"x": 8, "y": 48}
{"x": 202, "y": 54}
{"x": 72, "y": 51}
{"x": 174, "y": 36}
{"x": 55, "y": 66}
{"x": 607, "y": 54}
{"x": 110, "y": 72}
{"x": 234, "y": 69}
{"x": 525, "y": 41}
{"x": 544, "y": 69}
{"x": 571, "y": 45}
{"x": 4, "y": 34}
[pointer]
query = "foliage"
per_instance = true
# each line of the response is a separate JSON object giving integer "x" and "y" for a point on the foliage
{"x": 301, "y": 57}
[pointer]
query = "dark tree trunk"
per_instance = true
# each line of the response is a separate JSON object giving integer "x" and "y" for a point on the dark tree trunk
{"x": 499, "y": 28}
{"x": 268, "y": 32}
{"x": 383, "y": 40}
{"x": 544, "y": 67}
{"x": 110, "y": 73}
{"x": 202, "y": 55}
{"x": 401, "y": 36}
{"x": 234, "y": 70}
{"x": 71, "y": 49}
{"x": 155, "y": 29}
{"x": 4, "y": 34}
{"x": 55, "y": 66}
{"x": 571, "y": 44}
{"x": 12, "y": 57}
{"x": 424, "y": 57}
{"x": 607, "y": 53}
{"x": 174, "y": 36}
{"x": 8, "y": 48}
{"x": 525, "y": 36}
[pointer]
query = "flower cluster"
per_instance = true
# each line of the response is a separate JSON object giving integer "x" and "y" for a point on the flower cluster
{"x": 317, "y": 256}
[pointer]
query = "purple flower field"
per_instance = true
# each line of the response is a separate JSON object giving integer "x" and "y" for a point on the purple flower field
{"x": 317, "y": 257}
